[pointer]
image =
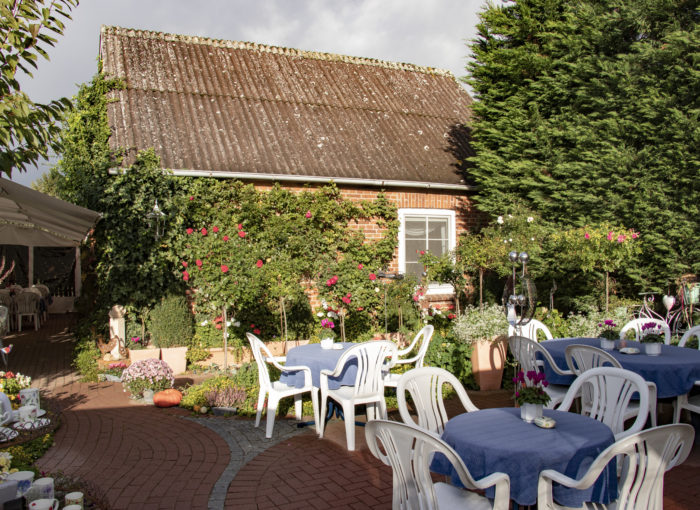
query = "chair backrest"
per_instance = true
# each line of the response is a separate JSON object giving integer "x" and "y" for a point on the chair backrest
{"x": 370, "y": 362}
{"x": 5, "y": 409}
{"x": 580, "y": 358}
{"x": 642, "y": 458}
{"x": 525, "y": 352}
{"x": 636, "y": 326}
{"x": 43, "y": 289}
{"x": 423, "y": 336}
{"x": 6, "y": 300}
{"x": 409, "y": 451}
{"x": 531, "y": 330}
{"x": 694, "y": 331}
{"x": 425, "y": 386}
{"x": 260, "y": 353}
{"x": 611, "y": 390}
{"x": 27, "y": 302}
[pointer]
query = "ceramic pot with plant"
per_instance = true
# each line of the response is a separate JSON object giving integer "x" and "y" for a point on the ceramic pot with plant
{"x": 530, "y": 394}
{"x": 486, "y": 332}
{"x": 652, "y": 337}
{"x": 608, "y": 333}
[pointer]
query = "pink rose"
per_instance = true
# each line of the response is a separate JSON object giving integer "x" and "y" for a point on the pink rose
{"x": 224, "y": 268}
{"x": 346, "y": 300}
{"x": 610, "y": 236}
{"x": 204, "y": 231}
{"x": 372, "y": 276}
{"x": 185, "y": 275}
{"x": 189, "y": 231}
{"x": 218, "y": 326}
{"x": 225, "y": 238}
{"x": 184, "y": 264}
{"x": 360, "y": 266}
{"x": 191, "y": 198}
{"x": 215, "y": 229}
{"x": 241, "y": 234}
{"x": 621, "y": 238}
{"x": 240, "y": 226}
{"x": 422, "y": 252}
{"x": 198, "y": 262}
{"x": 308, "y": 214}
{"x": 259, "y": 263}
{"x": 587, "y": 235}
{"x": 635, "y": 235}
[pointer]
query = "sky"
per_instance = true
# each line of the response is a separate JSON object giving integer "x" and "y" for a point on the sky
{"x": 433, "y": 33}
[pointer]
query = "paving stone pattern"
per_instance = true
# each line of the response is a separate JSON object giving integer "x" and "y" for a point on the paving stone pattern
{"x": 142, "y": 457}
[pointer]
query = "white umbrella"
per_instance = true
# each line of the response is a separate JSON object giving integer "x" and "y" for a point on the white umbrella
{"x": 32, "y": 218}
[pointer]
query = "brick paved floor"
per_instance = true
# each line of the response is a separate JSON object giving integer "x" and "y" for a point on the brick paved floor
{"x": 143, "y": 457}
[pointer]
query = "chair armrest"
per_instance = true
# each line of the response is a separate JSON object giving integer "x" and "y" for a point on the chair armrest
{"x": 299, "y": 368}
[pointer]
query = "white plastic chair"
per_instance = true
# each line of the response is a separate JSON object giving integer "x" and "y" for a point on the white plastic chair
{"x": 409, "y": 451}
{"x": 642, "y": 458}
{"x": 580, "y": 358}
{"x": 425, "y": 387}
{"x": 531, "y": 330}
{"x": 402, "y": 355}
{"x": 368, "y": 388}
{"x": 44, "y": 293}
{"x": 611, "y": 390}
{"x": 692, "y": 404}
{"x": 525, "y": 352}
{"x": 27, "y": 305}
{"x": 7, "y": 301}
{"x": 636, "y": 326}
{"x": 5, "y": 409}
{"x": 277, "y": 390}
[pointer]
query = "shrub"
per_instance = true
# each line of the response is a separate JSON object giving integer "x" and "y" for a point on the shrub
{"x": 85, "y": 361}
{"x": 170, "y": 322}
{"x": 476, "y": 324}
{"x": 148, "y": 374}
{"x": 453, "y": 356}
{"x": 24, "y": 455}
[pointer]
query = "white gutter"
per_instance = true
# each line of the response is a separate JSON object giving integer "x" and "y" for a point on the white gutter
{"x": 315, "y": 179}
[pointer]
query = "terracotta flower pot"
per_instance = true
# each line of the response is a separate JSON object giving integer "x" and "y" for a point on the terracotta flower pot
{"x": 488, "y": 360}
{"x": 142, "y": 354}
{"x": 176, "y": 358}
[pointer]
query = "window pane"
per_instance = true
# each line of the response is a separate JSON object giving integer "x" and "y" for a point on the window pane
{"x": 437, "y": 228}
{"x": 415, "y": 269}
{"x": 437, "y": 247}
{"x": 413, "y": 249}
{"x": 415, "y": 228}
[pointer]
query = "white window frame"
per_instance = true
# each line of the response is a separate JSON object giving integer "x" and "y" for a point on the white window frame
{"x": 433, "y": 288}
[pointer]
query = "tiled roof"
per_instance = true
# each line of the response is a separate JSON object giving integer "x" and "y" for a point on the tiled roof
{"x": 243, "y": 109}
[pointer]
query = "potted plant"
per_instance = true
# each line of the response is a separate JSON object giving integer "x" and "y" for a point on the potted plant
{"x": 486, "y": 331}
{"x": 171, "y": 327}
{"x": 225, "y": 401}
{"x": 147, "y": 377}
{"x": 140, "y": 350}
{"x": 652, "y": 337}
{"x": 608, "y": 334}
{"x": 530, "y": 394}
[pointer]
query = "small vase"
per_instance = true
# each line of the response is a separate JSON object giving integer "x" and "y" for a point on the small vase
{"x": 652, "y": 349}
{"x": 607, "y": 344}
{"x": 528, "y": 412}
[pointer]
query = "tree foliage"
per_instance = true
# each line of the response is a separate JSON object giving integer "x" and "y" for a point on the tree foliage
{"x": 27, "y": 129}
{"x": 588, "y": 113}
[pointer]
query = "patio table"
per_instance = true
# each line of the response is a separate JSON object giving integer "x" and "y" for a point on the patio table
{"x": 317, "y": 359}
{"x": 674, "y": 371}
{"x": 498, "y": 440}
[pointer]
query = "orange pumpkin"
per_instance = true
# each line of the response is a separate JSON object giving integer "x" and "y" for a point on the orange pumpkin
{"x": 167, "y": 398}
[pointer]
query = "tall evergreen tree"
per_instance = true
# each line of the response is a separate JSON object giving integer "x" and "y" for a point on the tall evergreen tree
{"x": 588, "y": 112}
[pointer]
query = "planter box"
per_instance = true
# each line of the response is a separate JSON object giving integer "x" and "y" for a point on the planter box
{"x": 176, "y": 358}
{"x": 224, "y": 411}
{"x": 141, "y": 354}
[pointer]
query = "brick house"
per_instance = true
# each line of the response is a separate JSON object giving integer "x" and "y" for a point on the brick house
{"x": 265, "y": 114}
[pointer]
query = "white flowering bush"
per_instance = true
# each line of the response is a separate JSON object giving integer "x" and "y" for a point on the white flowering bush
{"x": 476, "y": 324}
{"x": 148, "y": 374}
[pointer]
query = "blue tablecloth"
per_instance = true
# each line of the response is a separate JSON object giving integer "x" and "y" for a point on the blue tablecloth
{"x": 317, "y": 359}
{"x": 497, "y": 440}
{"x": 674, "y": 372}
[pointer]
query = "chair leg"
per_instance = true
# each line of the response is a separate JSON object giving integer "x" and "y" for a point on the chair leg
{"x": 349, "y": 412}
{"x": 322, "y": 415}
{"x": 272, "y": 401}
{"x": 314, "y": 401}
{"x": 261, "y": 402}
{"x": 652, "y": 405}
{"x": 297, "y": 406}
{"x": 681, "y": 401}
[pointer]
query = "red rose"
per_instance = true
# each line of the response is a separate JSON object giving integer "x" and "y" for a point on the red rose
{"x": 189, "y": 231}
{"x": 215, "y": 229}
{"x": 360, "y": 266}
{"x": 218, "y": 326}
{"x": 225, "y": 238}
{"x": 346, "y": 300}
{"x": 185, "y": 275}
{"x": 241, "y": 233}
{"x": 372, "y": 276}
{"x": 218, "y": 319}
{"x": 422, "y": 252}
{"x": 204, "y": 231}
{"x": 252, "y": 326}
{"x": 191, "y": 198}
{"x": 259, "y": 263}
{"x": 184, "y": 264}
{"x": 256, "y": 331}
{"x": 240, "y": 226}
{"x": 198, "y": 262}
{"x": 224, "y": 268}
{"x": 451, "y": 316}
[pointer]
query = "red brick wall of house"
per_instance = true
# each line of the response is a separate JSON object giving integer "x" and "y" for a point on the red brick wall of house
{"x": 467, "y": 216}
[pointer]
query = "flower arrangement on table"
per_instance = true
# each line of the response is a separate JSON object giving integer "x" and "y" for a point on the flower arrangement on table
{"x": 529, "y": 388}
{"x": 147, "y": 374}
{"x": 651, "y": 333}
{"x": 11, "y": 384}
{"x": 327, "y": 326}
{"x": 608, "y": 330}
